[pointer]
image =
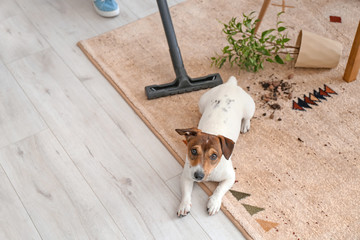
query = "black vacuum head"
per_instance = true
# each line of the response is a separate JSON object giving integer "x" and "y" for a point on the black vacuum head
{"x": 183, "y": 85}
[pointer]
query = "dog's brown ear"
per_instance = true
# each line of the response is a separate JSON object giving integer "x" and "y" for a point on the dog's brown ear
{"x": 227, "y": 146}
{"x": 188, "y": 132}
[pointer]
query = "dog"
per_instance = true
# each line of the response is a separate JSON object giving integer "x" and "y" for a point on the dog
{"x": 226, "y": 111}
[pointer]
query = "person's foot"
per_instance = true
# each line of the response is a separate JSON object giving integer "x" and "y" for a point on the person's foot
{"x": 106, "y": 8}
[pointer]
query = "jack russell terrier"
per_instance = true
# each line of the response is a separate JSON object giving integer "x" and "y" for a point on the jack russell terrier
{"x": 226, "y": 111}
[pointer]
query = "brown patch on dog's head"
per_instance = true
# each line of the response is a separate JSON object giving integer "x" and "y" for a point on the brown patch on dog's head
{"x": 205, "y": 149}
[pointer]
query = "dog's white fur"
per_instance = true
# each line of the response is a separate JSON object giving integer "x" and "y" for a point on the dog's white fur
{"x": 226, "y": 110}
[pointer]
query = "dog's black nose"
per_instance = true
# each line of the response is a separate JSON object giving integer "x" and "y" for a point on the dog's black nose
{"x": 199, "y": 175}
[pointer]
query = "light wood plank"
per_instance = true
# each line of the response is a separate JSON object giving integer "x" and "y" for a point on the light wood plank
{"x": 18, "y": 118}
{"x": 62, "y": 20}
{"x": 132, "y": 192}
{"x": 59, "y": 201}
{"x": 63, "y": 28}
{"x": 9, "y": 8}
{"x": 100, "y": 24}
{"x": 15, "y": 223}
{"x": 134, "y": 128}
{"x": 140, "y": 8}
{"x": 209, "y": 223}
{"x": 19, "y": 38}
{"x": 129, "y": 12}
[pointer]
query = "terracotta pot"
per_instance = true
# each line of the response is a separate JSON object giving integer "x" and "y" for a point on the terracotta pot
{"x": 317, "y": 51}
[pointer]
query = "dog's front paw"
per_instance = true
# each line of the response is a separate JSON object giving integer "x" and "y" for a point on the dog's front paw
{"x": 213, "y": 205}
{"x": 184, "y": 209}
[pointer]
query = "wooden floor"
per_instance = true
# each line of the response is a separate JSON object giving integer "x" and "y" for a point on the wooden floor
{"x": 76, "y": 161}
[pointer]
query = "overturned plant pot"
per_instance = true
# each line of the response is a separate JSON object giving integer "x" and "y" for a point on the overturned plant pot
{"x": 317, "y": 51}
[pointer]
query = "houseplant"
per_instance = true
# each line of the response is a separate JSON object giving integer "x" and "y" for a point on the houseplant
{"x": 248, "y": 50}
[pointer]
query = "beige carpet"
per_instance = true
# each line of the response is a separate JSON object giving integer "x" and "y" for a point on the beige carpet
{"x": 298, "y": 173}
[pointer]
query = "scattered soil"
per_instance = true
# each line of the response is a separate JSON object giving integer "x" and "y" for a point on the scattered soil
{"x": 272, "y": 115}
{"x": 275, "y": 106}
{"x": 276, "y": 89}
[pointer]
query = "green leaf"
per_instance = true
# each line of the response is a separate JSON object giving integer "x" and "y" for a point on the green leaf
{"x": 285, "y": 40}
{"x": 246, "y": 53}
{"x": 230, "y": 39}
{"x": 280, "y": 29}
{"x": 261, "y": 66}
{"x": 266, "y": 52}
{"x": 239, "y": 27}
{"x": 288, "y": 57}
{"x": 280, "y": 13}
{"x": 278, "y": 59}
{"x": 225, "y": 50}
{"x": 265, "y": 33}
{"x": 269, "y": 60}
{"x": 222, "y": 61}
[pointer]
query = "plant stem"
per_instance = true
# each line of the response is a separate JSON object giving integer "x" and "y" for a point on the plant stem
{"x": 289, "y": 52}
{"x": 291, "y": 47}
{"x": 285, "y": 46}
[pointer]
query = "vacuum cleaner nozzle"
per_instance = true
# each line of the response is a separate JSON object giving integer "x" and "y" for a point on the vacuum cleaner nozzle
{"x": 183, "y": 85}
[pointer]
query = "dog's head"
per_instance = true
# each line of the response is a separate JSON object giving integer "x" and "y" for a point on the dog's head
{"x": 205, "y": 151}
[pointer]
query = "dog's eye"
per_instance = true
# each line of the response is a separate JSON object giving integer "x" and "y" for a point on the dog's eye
{"x": 213, "y": 157}
{"x": 194, "y": 151}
